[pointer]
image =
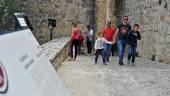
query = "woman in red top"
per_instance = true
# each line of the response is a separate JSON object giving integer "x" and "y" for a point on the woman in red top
{"x": 108, "y": 34}
{"x": 74, "y": 41}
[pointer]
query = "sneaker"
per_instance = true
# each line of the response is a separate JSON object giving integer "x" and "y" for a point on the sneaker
{"x": 74, "y": 59}
{"x": 128, "y": 62}
{"x": 70, "y": 59}
{"x": 105, "y": 63}
{"x": 121, "y": 64}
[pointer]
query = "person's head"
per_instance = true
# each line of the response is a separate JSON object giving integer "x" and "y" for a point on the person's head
{"x": 100, "y": 34}
{"x": 74, "y": 24}
{"x": 136, "y": 27}
{"x": 88, "y": 27}
{"x": 125, "y": 20}
{"x": 109, "y": 24}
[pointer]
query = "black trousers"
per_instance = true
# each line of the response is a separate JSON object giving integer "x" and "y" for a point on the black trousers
{"x": 99, "y": 52}
{"x": 75, "y": 44}
{"x": 89, "y": 46}
{"x": 114, "y": 50}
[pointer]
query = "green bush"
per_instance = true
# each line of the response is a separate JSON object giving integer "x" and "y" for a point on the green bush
{"x": 7, "y": 8}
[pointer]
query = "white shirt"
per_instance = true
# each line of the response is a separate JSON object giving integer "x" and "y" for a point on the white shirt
{"x": 90, "y": 34}
{"x": 99, "y": 44}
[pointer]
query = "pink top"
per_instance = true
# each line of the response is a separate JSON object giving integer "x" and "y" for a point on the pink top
{"x": 75, "y": 33}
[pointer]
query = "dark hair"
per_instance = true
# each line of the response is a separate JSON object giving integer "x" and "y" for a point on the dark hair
{"x": 88, "y": 26}
{"x": 74, "y": 24}
{"x": 109, "y": 23}
{"x": 100, "y": 33}
{"x": 136, "y": 25}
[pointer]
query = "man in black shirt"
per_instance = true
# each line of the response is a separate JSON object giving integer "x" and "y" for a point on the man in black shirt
{"x": 121, "y": 37}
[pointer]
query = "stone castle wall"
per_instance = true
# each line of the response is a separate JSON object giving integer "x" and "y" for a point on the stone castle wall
{"x": 152, "y": 15}
{"x": 100, "y": 14}
{"x": 64, "y": 11}
{"x": 154, "y": 19}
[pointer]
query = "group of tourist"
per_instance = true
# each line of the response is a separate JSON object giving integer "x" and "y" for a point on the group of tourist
{"x": 124, "y": 36}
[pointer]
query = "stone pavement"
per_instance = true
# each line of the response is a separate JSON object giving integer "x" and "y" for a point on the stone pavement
{"x": 147, "y": 78}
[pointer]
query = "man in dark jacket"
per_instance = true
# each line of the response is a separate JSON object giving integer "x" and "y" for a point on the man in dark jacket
{"x": 132, "y": 38}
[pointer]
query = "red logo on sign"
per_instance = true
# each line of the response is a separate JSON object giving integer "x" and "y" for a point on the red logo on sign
{"x": 3, "y": 79}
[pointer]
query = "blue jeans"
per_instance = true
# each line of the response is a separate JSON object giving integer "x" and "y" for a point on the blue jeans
{"x": 121, "y": 49}
{"x": 107, "y": 49}
{"x": 131, "y": 53}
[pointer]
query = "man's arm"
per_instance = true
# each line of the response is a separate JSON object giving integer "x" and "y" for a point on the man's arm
{"x": 130, "y": 27}
{"x": 138, "y": 36}
{"x": 128, "y": 37}
{"x": 115, "y": 36}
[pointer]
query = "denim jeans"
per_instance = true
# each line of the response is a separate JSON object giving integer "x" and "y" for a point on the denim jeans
{"x": 121, "y": 44}
{"x": 131, "y": 53}
{"x": 107, "y": 49}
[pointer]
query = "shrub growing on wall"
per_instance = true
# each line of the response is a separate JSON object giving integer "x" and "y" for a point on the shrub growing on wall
{"x": 7, "y": 8}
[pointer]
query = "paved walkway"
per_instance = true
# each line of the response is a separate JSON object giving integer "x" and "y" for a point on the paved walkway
{"x": 147, "y": 78}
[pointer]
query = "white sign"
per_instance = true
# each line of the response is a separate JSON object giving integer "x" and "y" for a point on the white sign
{"x": 22, "y": 22}
{"x": 28, "y": 72}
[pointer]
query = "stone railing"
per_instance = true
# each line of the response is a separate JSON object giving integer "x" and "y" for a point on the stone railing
{"x": 57, "y": 51}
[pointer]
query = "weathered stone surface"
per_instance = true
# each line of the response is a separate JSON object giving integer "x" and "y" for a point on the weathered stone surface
{"x": 57, "y": 50}
{"x": 153, "y": 17}
{"x": 64, "y": 11}
{"x": 105, "y": 11}
{"x": 101, "y": 7}
{"x": 147, "y": 78}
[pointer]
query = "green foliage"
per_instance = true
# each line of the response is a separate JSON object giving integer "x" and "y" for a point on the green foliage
{"x": 7, "y": 8}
